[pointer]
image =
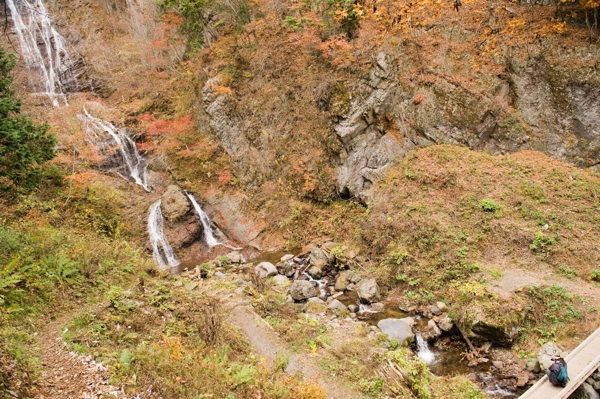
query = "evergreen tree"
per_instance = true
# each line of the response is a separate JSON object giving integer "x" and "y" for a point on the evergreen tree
{"x": 24, "y": 145}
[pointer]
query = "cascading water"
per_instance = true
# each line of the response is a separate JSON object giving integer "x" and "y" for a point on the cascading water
{"x": 44, "y": 49}
{"x": 423, "y": 350}
{"x": 162, "y": 252}
{"x": 209, "y": 237}
{"x": 321, "y": 284}
{"x": 136, "y": 164}
{"x": 493, "y": 389}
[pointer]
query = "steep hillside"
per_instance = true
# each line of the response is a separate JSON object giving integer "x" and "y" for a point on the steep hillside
{"x": 448, "y": 151}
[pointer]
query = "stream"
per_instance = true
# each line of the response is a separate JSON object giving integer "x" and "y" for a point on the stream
{"x": 46, "y": 53}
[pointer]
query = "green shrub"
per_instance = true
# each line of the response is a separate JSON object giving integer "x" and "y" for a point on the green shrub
{"x": 24, "y": 146}
{"x": 488, "y": 205}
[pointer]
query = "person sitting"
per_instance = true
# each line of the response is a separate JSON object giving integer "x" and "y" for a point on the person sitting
{"x": 557, "y": 372}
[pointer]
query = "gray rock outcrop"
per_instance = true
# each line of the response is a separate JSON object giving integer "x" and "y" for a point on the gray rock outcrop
{"x": 374, "y": 129}
{"x": 368, "y": 291}
{"x": 302, "y": 289}
{"x": 397, "y": 329}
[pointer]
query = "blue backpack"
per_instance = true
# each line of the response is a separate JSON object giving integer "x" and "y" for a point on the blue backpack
{"x": 563, "y": 376}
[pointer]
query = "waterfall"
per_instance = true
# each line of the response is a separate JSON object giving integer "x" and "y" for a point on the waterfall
{"x": 209, "y": 237}
{"x": 44, "y": 49}
{"x": 136, "y": 164}
{"x": 162, "y": 252}
{"x": 423, "y": 350}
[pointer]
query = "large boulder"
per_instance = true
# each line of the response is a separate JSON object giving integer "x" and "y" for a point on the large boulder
{"x": 432, "y": 331}
{"x": 315, "y": 272}
{"x": 336, "y": 306}
{"x": 318, "y": 258}
{"x": 302, "y": 289}
{"x": 281, "y": 281}
{"x": 343, "y": 280}
{"x": 175, "y": 204}
{"x": 265, "y": 269}
{"x": 445, "y": 323}
{"x": 234, "y": 257}
{"x": 368, "y": 291}
{"x": 397, "y": 329}
{"x": 546, "y": 353}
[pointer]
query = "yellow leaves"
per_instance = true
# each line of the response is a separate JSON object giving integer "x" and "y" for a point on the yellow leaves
{"x": 589, "y": 3}
{"x": 174, "y": 346}
{"x": 218, "y": 89}
{"x": 515, "y": 24}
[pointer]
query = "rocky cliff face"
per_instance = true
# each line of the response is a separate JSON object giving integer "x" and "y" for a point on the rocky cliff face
{"x": 310, "y": 131}
{"x": 379, "y": 119}
{"x": 552, "y": 111}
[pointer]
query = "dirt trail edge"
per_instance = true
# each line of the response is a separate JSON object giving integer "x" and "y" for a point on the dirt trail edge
{"x": 269, "y": 346}
{"x": 69, "y": 375}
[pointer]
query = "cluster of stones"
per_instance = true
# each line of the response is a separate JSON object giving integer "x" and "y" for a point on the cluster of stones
{"x": 590, "y": 389}
{"x": 402, "y": 330}
{"x": 316, "y": 280}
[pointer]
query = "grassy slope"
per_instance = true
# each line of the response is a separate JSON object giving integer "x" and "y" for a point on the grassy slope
{"x": 72, "y": 252}
{"x": 447, "y": 221}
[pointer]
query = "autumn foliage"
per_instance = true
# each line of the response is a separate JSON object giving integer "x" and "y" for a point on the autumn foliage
{"x": 162, "y": 135}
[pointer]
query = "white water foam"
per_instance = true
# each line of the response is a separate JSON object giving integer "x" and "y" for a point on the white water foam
{"x": 321, "y": 284}
{"x": 135, "y": 162}
{"x": 44, "y": 49}
{"x": 423, "y": 350}
{"x": 209, "y": 237}
{"x": 162, "y": 252}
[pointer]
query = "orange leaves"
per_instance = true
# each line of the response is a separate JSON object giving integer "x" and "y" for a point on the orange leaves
{"x": 395, "y": 16}
{"x": 225, "y": 177}
{"x": 337, "y": 51}
{"x": 174, "y": 127}
{"x": 84, "y": 179}
{"x": 217, "y": 89}
{"x": 164, "y": 134}
{"x": 419, "y": 98}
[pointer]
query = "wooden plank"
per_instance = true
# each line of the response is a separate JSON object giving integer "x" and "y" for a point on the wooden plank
{"x": 581, "y": 363}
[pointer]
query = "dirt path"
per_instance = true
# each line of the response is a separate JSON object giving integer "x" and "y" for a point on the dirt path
{"x": 514, "y": 279}
{"x": 69, "y": 375}
{"x": 269, "y": 346}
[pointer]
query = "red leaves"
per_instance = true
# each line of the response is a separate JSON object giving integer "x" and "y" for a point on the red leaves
{"x": 166, "y": 132}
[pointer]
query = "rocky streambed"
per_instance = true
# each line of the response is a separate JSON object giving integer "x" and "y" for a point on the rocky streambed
{"x": 329, "y": 282}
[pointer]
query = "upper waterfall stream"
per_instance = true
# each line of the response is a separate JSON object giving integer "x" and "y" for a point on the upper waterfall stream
{"x": 43, "y": 49}
{"x": 136, "y": 164}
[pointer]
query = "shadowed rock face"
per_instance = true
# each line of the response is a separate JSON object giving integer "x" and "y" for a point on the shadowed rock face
{"x": 378, "y": 120}
{"x": 552, "y": 112}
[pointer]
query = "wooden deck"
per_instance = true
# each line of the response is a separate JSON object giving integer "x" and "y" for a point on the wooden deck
{"x": 581, "y": 363}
